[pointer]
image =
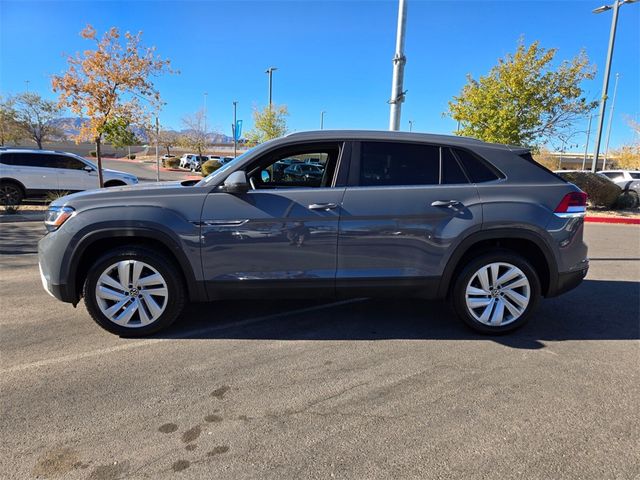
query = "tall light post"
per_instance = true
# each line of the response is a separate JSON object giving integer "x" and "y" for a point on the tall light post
{"x": 399, "y": 60}
{"x": 411, "y": 125}
{"x": 235, "y": 126}
{"x": 607, "y": 71}
{"x": 269, "y": 72}
{"x": 205, "y": 112}
{"x": 586, "y": 145}
{"x": 157, "y": 150}
{"x": 27, "y": 82}
{"x": 613, "y": 105}
{"x": 322, "y": 119}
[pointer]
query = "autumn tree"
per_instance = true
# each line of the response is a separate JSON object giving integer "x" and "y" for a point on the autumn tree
{"x": 10, "y": 129}
{"x": 195, "y": 136}
{"x": 36, "y": 117}
{"x": 268, "y": 124}
{"x": 524, "y": 100}
{"x": 108, "y": 81}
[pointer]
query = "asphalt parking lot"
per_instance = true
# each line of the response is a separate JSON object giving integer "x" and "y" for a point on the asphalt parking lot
{"x": 360, "y": 389}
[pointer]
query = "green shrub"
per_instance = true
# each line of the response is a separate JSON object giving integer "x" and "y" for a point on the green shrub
{"x": 93, "y": 153}
{"x": 602, "y": 192}
{"x": 210, "y": 166}
{"x": 627, "y": 199}
{"x": 131, "y": 157}
{"x": 171, "y": 162}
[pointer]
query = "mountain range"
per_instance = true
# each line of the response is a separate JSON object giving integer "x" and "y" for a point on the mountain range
{"x": 71, "y": 126}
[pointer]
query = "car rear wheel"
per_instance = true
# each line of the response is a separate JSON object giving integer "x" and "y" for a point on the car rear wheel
{"x": 133, "y": 292}
{"x": 10, "y": 194}
{"x": 496, "y": 292}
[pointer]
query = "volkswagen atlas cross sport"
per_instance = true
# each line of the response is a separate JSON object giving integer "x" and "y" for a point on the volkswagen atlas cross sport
{"x": 392, "y": 214}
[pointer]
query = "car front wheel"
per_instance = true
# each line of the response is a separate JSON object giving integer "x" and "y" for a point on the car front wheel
{"x": 496, "y": 292}
{"x": 133, "y": 292}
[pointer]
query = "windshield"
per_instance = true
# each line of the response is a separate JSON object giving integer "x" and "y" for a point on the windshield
{"x": 224, "y": 168}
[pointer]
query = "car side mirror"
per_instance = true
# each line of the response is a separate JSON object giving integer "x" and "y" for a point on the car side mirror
{"x": 237, "y": 183}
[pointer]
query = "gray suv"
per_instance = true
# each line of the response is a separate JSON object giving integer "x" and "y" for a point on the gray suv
{"x": 392, "y": 214}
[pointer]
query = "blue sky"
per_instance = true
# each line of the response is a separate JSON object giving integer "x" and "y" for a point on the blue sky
{"x": 333, "y": 56}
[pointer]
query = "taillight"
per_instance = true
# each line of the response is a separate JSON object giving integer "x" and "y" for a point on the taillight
{"x": 573, "y": 204}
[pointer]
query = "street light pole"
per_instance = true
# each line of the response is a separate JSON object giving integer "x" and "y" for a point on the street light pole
{"x": 205, "y": 112}
{"x": 607, "y": 73}
{"x": 411, "y": 125}
{"x": 157, "y": 151}
{"x": 613, "y": 105}
{"x": 235, "y": 126}
{"x": 270, "y": 71}
{"x": 322, "y": 120}
{"x": 399, "y": 60}
{"x": 586, "y": 146}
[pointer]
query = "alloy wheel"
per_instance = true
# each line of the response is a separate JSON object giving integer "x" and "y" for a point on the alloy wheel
{"x": 498, "y": 294}
{"x": 131, "y": 293}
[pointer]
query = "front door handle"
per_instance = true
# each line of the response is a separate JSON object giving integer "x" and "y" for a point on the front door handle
{"x": 447, "y": 203}
{"x": 323, "y": 206}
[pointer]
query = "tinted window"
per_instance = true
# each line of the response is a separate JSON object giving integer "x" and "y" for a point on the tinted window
{"x": 27, "y": 159}
{"x": 384, "y": 163}
{"x": 476, "y": 168}
{"x": 62, "y": 161}
{"x": 635, "y": 175}
{"x": 451, "y": 171}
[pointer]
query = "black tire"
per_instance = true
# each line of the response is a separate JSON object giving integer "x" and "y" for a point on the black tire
{"x": 11, "y": 194}
{"x": 458, "y": 294}
{"x": 170, "y": 274}
{"x": 114, "y": 183}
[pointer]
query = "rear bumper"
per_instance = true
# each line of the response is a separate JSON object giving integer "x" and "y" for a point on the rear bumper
{"x": 568, "y": 281}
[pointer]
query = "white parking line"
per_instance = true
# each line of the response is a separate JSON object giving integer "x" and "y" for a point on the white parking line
{"x": 183, "y": 335}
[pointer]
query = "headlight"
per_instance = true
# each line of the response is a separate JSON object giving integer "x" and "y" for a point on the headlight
{"x": 56, "y": 216}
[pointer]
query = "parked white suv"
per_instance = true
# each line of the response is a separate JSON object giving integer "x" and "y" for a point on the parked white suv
{"x": 33, "y": 173}
{"x": 619, "y": 175}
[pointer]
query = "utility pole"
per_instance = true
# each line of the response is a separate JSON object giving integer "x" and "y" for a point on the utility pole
{"x": 205, "y": 113}
{"x": 235, "y": 126}
{"x": 613, "y": 104}
{"x": 607, "y": 72}
{"x": 586, "y": 146}
{"x": 322, "y": 119}
{"x": 157, "y": 151}
{"x": 399, "y": 60}
{"x": 411, "y": 125}
{"x": 269, "y": 72}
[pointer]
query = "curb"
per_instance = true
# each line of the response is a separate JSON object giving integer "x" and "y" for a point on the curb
{"x": 623, "y": 220}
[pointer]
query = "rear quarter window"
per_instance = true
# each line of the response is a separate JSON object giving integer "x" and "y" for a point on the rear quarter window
{"x": 478, "y": 170}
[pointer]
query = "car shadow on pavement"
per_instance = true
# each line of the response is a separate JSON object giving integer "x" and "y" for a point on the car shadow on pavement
{"x": 596, "y": 310}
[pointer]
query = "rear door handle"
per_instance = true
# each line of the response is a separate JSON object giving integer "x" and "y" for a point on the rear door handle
{"x": 323, "y": 206}
{"x": 447, "y": 203}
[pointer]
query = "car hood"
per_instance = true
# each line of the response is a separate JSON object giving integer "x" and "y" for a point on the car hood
{"x": 123, "y": 193}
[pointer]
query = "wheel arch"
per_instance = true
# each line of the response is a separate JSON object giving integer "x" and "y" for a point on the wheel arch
{"x": 18, "y": 183}
{"x": 94, "y": 244}
{"x": 529, "y": 244}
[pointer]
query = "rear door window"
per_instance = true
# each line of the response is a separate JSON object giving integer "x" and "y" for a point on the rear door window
{"x": 400, "y": 164}
{"x": 386, "y": 163}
